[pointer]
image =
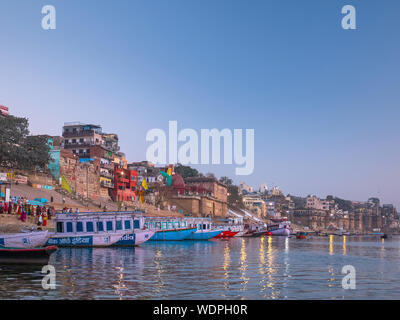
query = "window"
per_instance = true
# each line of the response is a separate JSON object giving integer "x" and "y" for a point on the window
{"x": 89, "y": 226}
{"x": 69, "y": 227}
{"x": 79, "y": 226}
{"x": 60, "y": 228}
{"x": 109, "y": 225}
{"x": 100, "y": 226}
{"x": 204, "y": 227}
{"x": 118, "y": 225}
{"x": 127, "y": 225}
{"x": 136, "y": 224}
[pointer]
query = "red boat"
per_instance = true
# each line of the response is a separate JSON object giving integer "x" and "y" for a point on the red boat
{"x": 35, "y": 255}
{"x": 226, "y": 234}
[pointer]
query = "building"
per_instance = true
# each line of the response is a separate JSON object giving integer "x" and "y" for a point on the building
{"x": 313, "y": 202}
{"x": 88, "y": 142}
{"x": 125, "y": 183}
{"x": 263, "y": 188}
{"x": 81, "y": 178}
{"x": 255, "y": 205}
{"x": 244, "y": 188}
{"x": 199, "y": 196}
{"x": 4, "y": 111}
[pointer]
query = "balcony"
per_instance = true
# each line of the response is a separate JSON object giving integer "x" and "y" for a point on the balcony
{"x": 107, "y": 184}
{"x": 107, "y": 166}
{"x": 83, "y": 133}
{"x": 106, "y": 174}
{"x": 68, "y": 145}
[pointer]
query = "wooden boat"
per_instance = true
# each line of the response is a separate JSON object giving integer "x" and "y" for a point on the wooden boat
{"x": 280, "y": 229}
{"x": 226, "y": 234}
{"x": 38, "y": 255}
{"x": 301, "y": 235}
{"x": 168, "y": 229}
{"x": 24, "y": 240}
{"x": 204, "y": 230}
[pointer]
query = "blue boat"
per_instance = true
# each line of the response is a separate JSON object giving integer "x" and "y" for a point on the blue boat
{"x": 204, "y": 230}
{"x": 172, "y": 235}
{"x": 168, "y": 229}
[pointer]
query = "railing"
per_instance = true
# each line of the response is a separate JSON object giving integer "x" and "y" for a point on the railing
{"x": 78, "y": 133}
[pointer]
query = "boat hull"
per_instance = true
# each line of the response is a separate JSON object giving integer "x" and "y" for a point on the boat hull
{"x": 226, "y": 234}
{"x": 87, "y": 240}
{"x": 134, "y": 239}
{"x": 24, "y": 240}
{"x": 204, "y": 235}
{"x": 284, "y": 232}
{"x": 26, "y": 256}
{"x": 173, "y": 234}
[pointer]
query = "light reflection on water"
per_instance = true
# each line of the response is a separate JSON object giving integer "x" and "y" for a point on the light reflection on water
{"x": 241, "y": 268}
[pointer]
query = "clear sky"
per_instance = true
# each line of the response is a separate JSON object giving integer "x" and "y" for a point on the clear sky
{"x": 323, "y": 101}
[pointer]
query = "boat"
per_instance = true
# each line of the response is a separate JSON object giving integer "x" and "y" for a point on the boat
{"x": 39, "y": 255}
{"x": 301, "y": 235}
{"x": 204, "y": 231}
{"x": 168, "y": 229}
{"x": 24, "y": 240}
{"x": 226, "y": 234}
{"x": 138, "y": 235}
{"x": 281, "y": 227}
{"x": 91, "y": 229}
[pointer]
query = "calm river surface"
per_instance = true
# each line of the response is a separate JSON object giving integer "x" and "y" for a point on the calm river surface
{"x": 241, "y": 268}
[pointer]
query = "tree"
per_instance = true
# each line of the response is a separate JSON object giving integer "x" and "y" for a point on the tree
{"x": 13, "y": 131}
{"x": 186, "y": 171}
{"x": 36, "y": 153}
{"x": 210, "y": 175}
{"x": 17, "y": 149}
{"x": 226, "y": 181}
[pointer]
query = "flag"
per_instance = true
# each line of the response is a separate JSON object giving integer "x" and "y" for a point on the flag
{"x": 65, "y": 185}
{"x": 141, "y": 196}
{"x": 167, "y": 175}
{"x": 144, "y": 184}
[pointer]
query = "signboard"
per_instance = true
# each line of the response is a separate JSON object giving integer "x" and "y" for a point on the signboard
{"x": 21, "y": 179}
{"x": 8, "y": 194}
{"x": 3, "y": 177}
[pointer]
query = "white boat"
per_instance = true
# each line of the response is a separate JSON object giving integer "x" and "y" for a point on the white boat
{"x": 25, "y": 240}
{"x": 280, "y": 228}
{"x": 98, "y": 229}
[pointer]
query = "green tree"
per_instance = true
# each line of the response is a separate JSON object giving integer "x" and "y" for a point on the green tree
{"x": 13, "y": 131}
{"x": 186, "y": 171}
{"x": 17, "y": 149}
{"x": 226, "y": 181}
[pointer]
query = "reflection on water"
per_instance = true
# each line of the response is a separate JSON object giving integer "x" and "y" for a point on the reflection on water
{"x": 241, "y": 268}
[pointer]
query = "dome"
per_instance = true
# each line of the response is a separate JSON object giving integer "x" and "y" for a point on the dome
{"x": 177, "y": 181}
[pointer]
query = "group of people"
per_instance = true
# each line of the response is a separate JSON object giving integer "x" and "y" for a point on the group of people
{"x": 21, "y": 208}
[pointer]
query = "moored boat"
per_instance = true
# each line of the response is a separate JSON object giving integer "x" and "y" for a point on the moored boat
{"x": 281, "y": 227}
{"x": 94, "y": 229}
{"x": 226, "y": 234}
{"x": 204, "y": 229}
{"x": 168, "y": 229}
{"x": 301, "y": 235}
{"x": 38, "y": 255}
{"x": 24, "y": 240}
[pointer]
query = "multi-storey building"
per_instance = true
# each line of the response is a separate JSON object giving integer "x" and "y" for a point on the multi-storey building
{"x": 87, "y": 141}
{"x": 313, "y": 202}
{"x": 255, "y": 205}
{"x": 125, "y": 183}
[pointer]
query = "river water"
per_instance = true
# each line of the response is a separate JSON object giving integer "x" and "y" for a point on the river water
{"x": 240, "y": 268}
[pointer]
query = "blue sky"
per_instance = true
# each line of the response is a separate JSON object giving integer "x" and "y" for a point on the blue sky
{"x": 323, "y": 101}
